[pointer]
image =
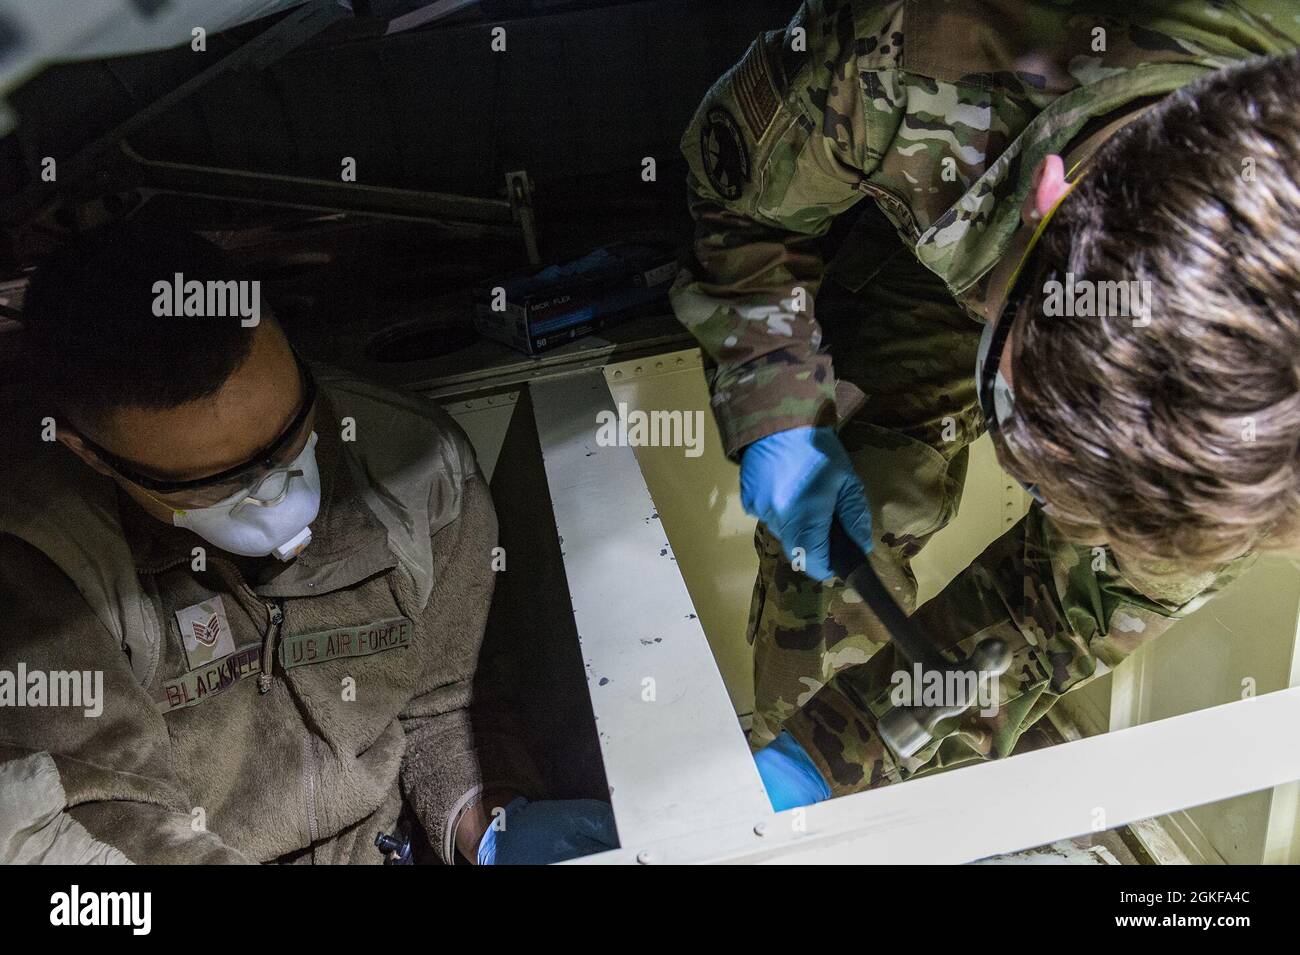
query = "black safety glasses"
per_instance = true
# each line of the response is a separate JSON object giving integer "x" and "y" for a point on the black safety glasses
{"x": 217, "y": 487}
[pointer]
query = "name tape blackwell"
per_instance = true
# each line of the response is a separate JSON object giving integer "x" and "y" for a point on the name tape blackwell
{"x": 299, "y": 650}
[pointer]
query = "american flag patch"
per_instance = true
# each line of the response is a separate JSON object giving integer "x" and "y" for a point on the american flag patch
{"x": 754, "y": 91}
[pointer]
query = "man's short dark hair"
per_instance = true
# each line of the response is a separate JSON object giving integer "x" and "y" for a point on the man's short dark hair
{"x": 91, "y": 335}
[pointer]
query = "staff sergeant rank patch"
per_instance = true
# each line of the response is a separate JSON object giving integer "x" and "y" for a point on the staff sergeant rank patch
{"x": 205, "y": 632}
{"x": 359, "y": 641}
{"x": 723, "y": 153}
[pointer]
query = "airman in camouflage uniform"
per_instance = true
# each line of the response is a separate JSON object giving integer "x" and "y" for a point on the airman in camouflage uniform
{"x": 939, "y": 112}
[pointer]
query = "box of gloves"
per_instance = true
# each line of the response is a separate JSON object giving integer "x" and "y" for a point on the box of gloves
{"x": 564, "y": 301}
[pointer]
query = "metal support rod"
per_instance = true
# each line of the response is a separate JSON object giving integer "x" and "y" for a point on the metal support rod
{"x": 295, "y": 29}
{"x": 301, "y": 192}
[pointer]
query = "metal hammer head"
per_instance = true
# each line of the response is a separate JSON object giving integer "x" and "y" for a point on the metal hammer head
{"x": 908, "y": 729}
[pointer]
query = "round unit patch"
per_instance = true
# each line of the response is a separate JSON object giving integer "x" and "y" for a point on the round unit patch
{"x": 723, "y": 153}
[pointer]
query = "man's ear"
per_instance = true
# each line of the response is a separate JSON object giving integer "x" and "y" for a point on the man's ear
{"x": 72, "y": 441}
{"x": 1046, "y": 189}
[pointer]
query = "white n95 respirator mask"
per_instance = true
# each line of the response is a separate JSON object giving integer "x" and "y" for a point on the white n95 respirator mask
{"x": 269, "y": 518}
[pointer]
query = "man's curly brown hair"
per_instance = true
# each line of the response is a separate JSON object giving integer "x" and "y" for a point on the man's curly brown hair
{"x": 1176, "y": 441}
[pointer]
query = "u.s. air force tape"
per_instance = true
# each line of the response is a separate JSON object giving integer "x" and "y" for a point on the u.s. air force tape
{"x": 359, "y": 641}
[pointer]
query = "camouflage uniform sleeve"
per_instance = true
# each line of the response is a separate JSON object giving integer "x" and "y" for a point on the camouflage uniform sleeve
{"x": 1076, "y": 611}
{"x": 1067, "y": 611}
{"x": 781, "y": 145}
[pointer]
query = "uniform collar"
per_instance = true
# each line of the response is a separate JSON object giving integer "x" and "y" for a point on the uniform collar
{"x": 989, "y": 297}
{"x": 968, "y": 241}
{"x": 348, "y": 544}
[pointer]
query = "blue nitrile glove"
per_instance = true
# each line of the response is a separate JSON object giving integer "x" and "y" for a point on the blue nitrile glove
{"x": 789, "y": 774}
{"x": 552, "y": 830}
{"x": 795, "y": 482}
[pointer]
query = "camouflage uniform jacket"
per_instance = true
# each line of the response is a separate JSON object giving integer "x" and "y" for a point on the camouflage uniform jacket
{"x": 938, "y": 111}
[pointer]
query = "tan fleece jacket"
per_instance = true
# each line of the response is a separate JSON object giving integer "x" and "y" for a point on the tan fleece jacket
{"x": 287, "y": 725}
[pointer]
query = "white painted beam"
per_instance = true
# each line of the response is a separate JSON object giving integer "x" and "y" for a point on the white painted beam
{"x": 1029, "y": 800}
{"x": 678, "y": 763}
